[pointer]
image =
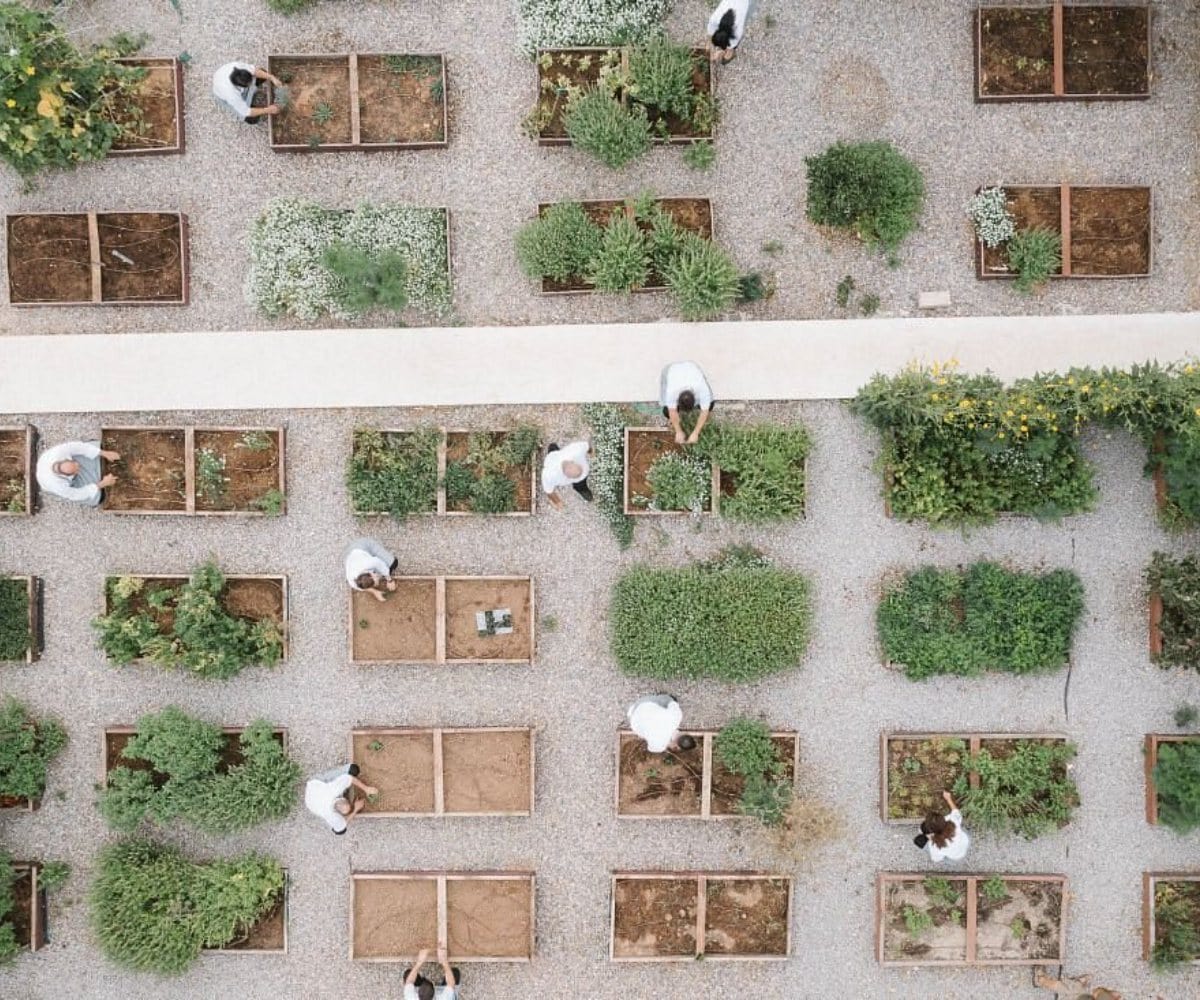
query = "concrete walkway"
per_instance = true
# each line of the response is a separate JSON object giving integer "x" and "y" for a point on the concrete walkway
{"x": 826, "y": 359}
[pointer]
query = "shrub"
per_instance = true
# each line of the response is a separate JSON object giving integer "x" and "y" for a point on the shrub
{"x": 547, "y": 24}
{"x": 661, "y": 74}
{"x": 702, "y": 278}
{"x": 744, "y": 747}
{"x": 623, "y": 260}
{"x": 393, "y": 473}
{"x": 27, "y": 746}
{"x": 1034, "y": 254}
{"x": 700, "y": 155}
{"x": 479, "y": 483}
{"x": 867, "y": 187}
{"x": 1177, "y": 782}
{"x": 202, "y": 638}
{"x": 153, "y": 910}
{"x": 993, "y": 221}
{"x": 596, "y": 122}
{"x": 678, "y": 481}
{"x": 607, "y": 475}
{"x": 1027, "y": 791}
{"x": 366, "y": 280}
{"x": 733, "y": 619}
{"x": 14, "y": 619}
{"x": 560, "y": 244}
{"x": 1180, "y": 462}
{"x": 1176, "y": 924}
{"x": 986, "y": 618}
{"x": 767, "y": 467}
{"x": 1177, "y": 582}
{"x": 9, "y": 949}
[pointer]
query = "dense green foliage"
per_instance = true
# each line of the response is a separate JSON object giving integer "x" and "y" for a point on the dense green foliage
{"x": 1026, "y": 790}
{"x": 1177, "y": 783}
{"x": 661, "y": 75}
{"x": 1177, "y": 583}
{"x": 987, "y": 618}
{"x": 184, "y": 627}
{"x": 1034, "y": 254}
{"x": 368, "y": 280}
{"x": 27, "y": 746}
{"x": 622, "y": 262}
{"x": 9, "y": 949}
{"x": 1176, "y": 924}
{"x": 702, "y": 278}
{"x": 153, "y": 910}
{"x": 478, "y": 483}
{"x": 733, "y": 619}
{"x": 14, "y": 619}
{"x": 1179, "y": 459}
{"x": 391, "y": 473}
{"x": 597, "y": 123}
{"x": 607, "y": 476}
{"x": 766, "y": 464}
{"x": 744, "y": 747}
{"x": 560, "y": 243}
{"x": 678, "y": 480}
{"x": 177, "y": 772}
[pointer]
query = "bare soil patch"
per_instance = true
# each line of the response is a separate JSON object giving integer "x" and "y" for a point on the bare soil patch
{"x": 141, "y": 257}
{"x": 21, "y": 915}
{"x": 401, "y": 99}
{"x": 659, "y": 784}
{"x": 252, "y": 471}
{"x": 400, "y": 765}
{"x": 465, "y": 597}
{"x": 14, "y": 469}
{"x": 1110, "y": 230}
{"x": 747, "y": 917}
{"x": 394, "y": 918}
{"x": 654, "y": 916}
{"x": 318, "y": 106}
{"x": 404, "y": 627}
{"x": 150, "y": 472}
{"x": 151, "y": 115}
{"x": 487, "y": 772}
{"x": 49, "y": 259}
{"x": 727, "y": 787}
{"x": 1017, "y": 51}
{"x": 488, "y": 918}
{"x": 1106, "y": 50}
{"x": 1022, "y": 925}
{"x": 944, "y": 939}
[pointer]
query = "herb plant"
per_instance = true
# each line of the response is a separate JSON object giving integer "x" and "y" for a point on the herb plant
{"x": 560, "y": 243}
{"x": 393, "y": 473}
{"x": 1027, "y": 791}
{"x": 993, "y": 221}
{"x": 678, "y": 481}
{"x": 368, "y": 280}
{"x": 14, "y": 619}
{"x": 27, "y": 746}
{"x": 1177, "y": 783}
{"x": 622, "y": 262}
{"x": 9, "y": 949}
{"x": 607, "y": 476}
{"x": 481, "y": 482}
{"x": 702, "y": 278}
{"x": 598, "y": 123}
{"x": 766, "y": 464}
{"x": 661, "y": 74}
{"x": 563, "y": 23}
{"x": 1034, "y": 254}
{"x": 1176, "y": 581}
{"x": 1176, "y": 924}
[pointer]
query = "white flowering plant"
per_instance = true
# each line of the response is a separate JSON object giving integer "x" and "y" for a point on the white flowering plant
{"x": 994, "y": 223}
{"x": 550, "y": 24}
{"x": 289, "y": 240}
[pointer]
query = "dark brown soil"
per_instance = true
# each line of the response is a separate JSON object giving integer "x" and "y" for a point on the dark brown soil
{"x": 464, "y": 597}
{"x": 1031, "y": 207}
{"x": 487, "y": 772}
{"x": 400, "y": 765}
{"x": 659, "y": 784}
{"x": 251, "y": 474}
{"x": 488, "y": 918}
{"x": 267, "y": 934}
{"x": 1110, "y": 230}
{"x": 747, "y": 917}
{"x": 727, "y": 787}
{"x": 394, "y": 918}
{"x": 1016, "y": 51}
{"x": 13, "y": 802}
{"x": 944, "y": 941}
{"x": 645, "y": 448}
{"x": 21, "y": 913}
{"x": 681, "y": 127}
{"x": 919, "y": 771}
{"x": 49, "y": 259}
{"x": 1023, "y": 925}
{"x": 401, "y": 99}
{"x": 153, "y": 242}
{"x": 404, "y": 627}
{"x": 1188, "y": 890}
{"x": 564, "y": 63}
{"x": 317, "y": 87}
{"x": 654, "y": 917}
{"x": 254, "y": 600}
{"x": 151, "y": 115}
{"x": 599, "y": 212}
{"x": 1106, "y": 50}
{"x": 521, "y": 475}
{"x": 150, "y": 472}
{"x": 14, "y": 469}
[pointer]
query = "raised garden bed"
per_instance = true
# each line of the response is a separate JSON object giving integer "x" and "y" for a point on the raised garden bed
{"x": 114, "y": 740}
{"x": 196, "y": 470}
{"x": 267, "y": 935}
{"x": 643, "y": 447}
{"x": 359, "y": 102}
{"x": 686, "y": 783}
{"x": 446, "y": 772}
{"x": 156, "y": 117}
{"x": 432, "y": 619}
{"x": 1062, "y": 52}
{"x": 1170, "y": 898}
{"x": 476, "y": 916}
{"x": 22, "y": 594}
{"x": 687, "y": 916}
{"x": 1174, "y": 624}
{"x": 1153, "y": 742}
{"x": 1106, "y": 231}
{"x": 28, "y": 915}
{"x": 28, "y": 747}
{"x": 17, "y": 449}
{"x": 96, "y": 258}
{"x": 970, "y": 919}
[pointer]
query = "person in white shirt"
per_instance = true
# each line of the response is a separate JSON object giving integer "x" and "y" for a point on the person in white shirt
{"x": 656, "y": 718}
{"x": 417, "y": 987}
{"x": 72, "y": 471}
{"x": 234, "y": 85}
{"x": 682, "y": 388}
{"x": 566, "y": 466}
{"x": 326, "y": 796}
{"x": 369, "y": 566}
{"x": 726, "y": 26}
{"x": 944, "y": 836}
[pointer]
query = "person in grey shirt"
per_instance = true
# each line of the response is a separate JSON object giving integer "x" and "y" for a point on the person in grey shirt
{"x": 71, "y": 470}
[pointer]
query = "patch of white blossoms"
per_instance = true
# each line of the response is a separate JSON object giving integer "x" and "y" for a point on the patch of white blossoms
{"x": 993, "y": 222}
{"x": 549, "y": 24}
{"x": 291, "y": 236}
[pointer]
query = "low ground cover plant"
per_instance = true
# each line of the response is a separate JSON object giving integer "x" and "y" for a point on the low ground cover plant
{"x": 393, "y": 474}
{"x": 27, "y": 746}
{"x": 562, "y": 23}
{"x": 153, "y": 910}
{"x": 1176, "y": 924}
{"x": 607, "y": 476}
{"x": 1026, "y": 790}
{"x": 744, "y": 747}
{"x": 766, "y": 465}
{"x": 14, "y": 619}
{"x": 734, "y": 618}
{"x": 935, "y": 621}
{"x": 478, "y": 483}
{"x": 184, "y": 627}
{"x": 1177, "y": 583}
{"x": 176, "y": 770}
{"x": 1177, "y": 783}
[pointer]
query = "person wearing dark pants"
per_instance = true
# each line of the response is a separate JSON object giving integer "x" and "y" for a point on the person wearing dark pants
{"x": 566, "y": 466}
{"x": 417, "y": 987}
{"x": 683, "y": 388}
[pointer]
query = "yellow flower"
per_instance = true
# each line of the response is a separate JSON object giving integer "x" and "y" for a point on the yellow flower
{"x": 964, "y": 403}
{"x": 1085, "y": 388}
{"x": 1000, "y": 435}
{"x": 1054, "y": 427}
{"x": 30, "y": 70}
{"x": 1009, "y": 413}
{"x": 1198, "y": 411}
{"x": 933, "y": 396}
{"x": 1040, "y": 407}
{"x": 10, "y": 103}
{"x": 1071, "y": 380}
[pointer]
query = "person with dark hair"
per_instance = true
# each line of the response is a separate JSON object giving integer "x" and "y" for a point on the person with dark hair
{"x": 235, "y": 84}
{"x": 328, "y": 796}
{"x": 944, "y": 836}
{"x": 417, "y": 987}
{"x": 656, "y": 718}
{"x": 369, "y": 566}
{"x": 683, "y": 388}
{"x": 726, "y": 27}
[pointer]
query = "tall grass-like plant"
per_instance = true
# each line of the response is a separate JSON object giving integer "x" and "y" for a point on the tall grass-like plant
{"x": 702, "y": 278}
{"x": 14, "y": 619}
{"x": 1177, "y": 783}
{"x": 661, "y": 74}
{"x": 596, "y": 122}
{"x": 560, "y": 244}
{"x": 1034, "y": 254}
{"x": 766, "y": 464}
{"x": 1027, "y": 791}
{"x": 27, "y": 746}
{"x": 393, "y": 473}
{"x": 368, "y": 281}
{"x": 623, "y": 260}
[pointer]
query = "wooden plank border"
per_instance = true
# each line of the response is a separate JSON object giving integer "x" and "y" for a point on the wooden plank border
{"x": 714, "y": 489}
{"x": 1149, "y": 880}
{"x": 29, "y": 458}
{"x": 175, "y": 67}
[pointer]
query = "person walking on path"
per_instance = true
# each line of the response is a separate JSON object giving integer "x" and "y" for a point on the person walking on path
{"x": 328, "y": 796}
{"x": 369, "y": 566}
{"x": 683, "y": 388}
{"x": 566, "y": 466}
{"x": 944, "y": 836}
{"x": 235, "y": 84}
{"x": 417, "y": 987}
{"x": 726, "y": 26}
{"x": 72, "y": 471}
{"x": 656, "y": 718}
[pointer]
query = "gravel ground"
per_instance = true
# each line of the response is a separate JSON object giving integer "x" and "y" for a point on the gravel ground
{"x": 839, "y": 700}
{"x": 819, "y": 71}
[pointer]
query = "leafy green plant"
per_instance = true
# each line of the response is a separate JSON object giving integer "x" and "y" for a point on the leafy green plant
{"x": 845, "y": 288}
{"x": 596, "y": 122}
{"x": 480, "y": 482}
{"x": 752, "y": 288}
{"x": 1027, "y": 791}
{"x": 702, "y": 278}
{"x": 1177, "y": 784}
{"x": 1179, "y": 460}
{"x": 153, "y": 910}
{"x": 392, "y": 473}
{"x": 734, "y": 619}
{"x": 744, "y": 747}
{"x": 916, "y": 921}
{"x": 255, "y": 441}
{"x": 1034, "y": 254}
{"x": 368, "y": 280}
{"x": 701, "y": 155}
{"x": 622, "y": 262}
{"x": 766, "y": 465}
{"x": 868, "y": 305}
{"x": 270, "y": 503}
{"x": 994, "y": 889}
{"x": 53, "y": 875}
{"x": 941, "y": 892}
{"x": 14, "y": 619}
{"x": 9, "y": 949}
{"x": 678, "y": 481}
{"x": 27, "y": 746}
{"x": 1176, "y": 924}
{"x": 323, "y": 113}
{"x": 1186, "y": 715}
{"x": 210, "y": 475}
{"x": 607, "y": 476}
{"x": 560, "y": 243}
{"x": 1176, "y": 581}
{"x": 661, "y": 74}
{"x": 766, "y": 799}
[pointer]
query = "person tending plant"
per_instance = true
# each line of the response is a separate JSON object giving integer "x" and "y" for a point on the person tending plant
{"x": 369, "y": 567}
{"x": 71, "y": 471}
{"x": 726, "y": 26}
{"x": 656, "y": 718}
{"x": 944, "y": 836}
{"x": 417, "y": 987}
{"x": 683, "y": 388}
{"x": 235, "y": 85}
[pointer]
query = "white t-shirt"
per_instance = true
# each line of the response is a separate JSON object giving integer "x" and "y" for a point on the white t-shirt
{"x": 552, "y": 467}
{"x": 359, "y": 561}
{"x": 320, "y": 796}
{"x": 956, "y": 846}
{"x": 59, "y": 485}
{"x": 439, "y": 992}
{"x": 741, "y": 13}
{"x": 224, "y": 90}
{"x": 681, "y": 377}
{"x": 654, "y": 723}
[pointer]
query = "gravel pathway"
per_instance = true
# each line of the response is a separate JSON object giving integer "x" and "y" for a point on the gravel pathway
{"x": 839, "y": 700}
{"x": 810, "y": 73}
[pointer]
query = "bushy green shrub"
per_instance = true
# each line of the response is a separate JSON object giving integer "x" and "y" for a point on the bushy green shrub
{"x": 607, "y": 475}
{"x": 986, "y": 618}
{"x": 480, "y": 482}
{"x": 1027, "y": 791}
{"x": 153, "y": 910}
{"x": 702, "y": 278}
{"x": 732, "y": 619}
{"x": 597, "y": 123}
{"x": 366, "y": 280}
{"x": 560, "y": 243}
{"x": 1177, "y": 783}
{"x": 766, "y": 464}
{"x": 14, "y": 619}
{"x": 744, "y": 746}
{"x": 1034, "y": 254}
{"x": 1180, "y": 461}
{"x": 393, "y": 473}
{"x": 623, "y": 261}
{"x": 27, "y": 746}
{"x": 1176, "y": 924}
{"x": 867, "y": 187}
{"x": 1177, "y": 583}
{"x": 9, "y": 949}
{"x": 661, "y": 73}
{"x": 678, "y": 481}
